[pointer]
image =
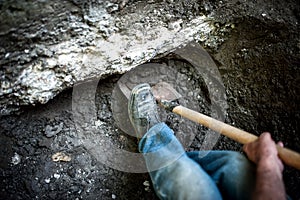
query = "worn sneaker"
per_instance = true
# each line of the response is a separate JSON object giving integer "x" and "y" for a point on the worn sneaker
{"x": 142, "y": 109}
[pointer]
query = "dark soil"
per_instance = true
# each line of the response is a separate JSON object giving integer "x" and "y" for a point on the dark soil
{"x": 259, "y": 64}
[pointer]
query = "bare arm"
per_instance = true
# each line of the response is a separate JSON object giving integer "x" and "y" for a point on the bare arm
{"x": 269, "y": 183}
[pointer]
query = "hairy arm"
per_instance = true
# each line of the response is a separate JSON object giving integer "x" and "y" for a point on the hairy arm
{"x": 269, "y": 183}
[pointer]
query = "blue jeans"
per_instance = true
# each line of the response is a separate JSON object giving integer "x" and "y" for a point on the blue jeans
{"x": 176, "y": 174}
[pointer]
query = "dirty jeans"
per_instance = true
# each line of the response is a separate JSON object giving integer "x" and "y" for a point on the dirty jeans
{"x": 177, "y": 174}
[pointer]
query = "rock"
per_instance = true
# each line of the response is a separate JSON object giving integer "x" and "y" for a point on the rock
{"x": 16, "y": 159}
{"x": 58, "y": 45}
{"x": 57, "y": 176}
{"x": 60, "y": 156}
{"x": 47, "y": 180}
{"x": 51, "y": 131}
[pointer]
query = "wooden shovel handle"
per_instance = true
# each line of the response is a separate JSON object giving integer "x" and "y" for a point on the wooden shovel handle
{"x": 288, "y": 156}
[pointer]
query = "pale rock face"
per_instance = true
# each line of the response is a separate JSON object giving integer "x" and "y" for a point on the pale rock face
{"x": 67, "y": 44}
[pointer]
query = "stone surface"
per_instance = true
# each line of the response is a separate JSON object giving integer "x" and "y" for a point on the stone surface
{"x": 48, "y": 46}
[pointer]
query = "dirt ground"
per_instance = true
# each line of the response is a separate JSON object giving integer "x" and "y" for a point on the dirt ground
{"x": 259, "y": 66}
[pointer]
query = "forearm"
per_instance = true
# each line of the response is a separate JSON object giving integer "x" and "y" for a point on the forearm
{"x": 269, "y": 183}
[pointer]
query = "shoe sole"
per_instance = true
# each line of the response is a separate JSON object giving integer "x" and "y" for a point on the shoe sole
{"x": 141, "y": 88}
{"x": 144, "y": 87}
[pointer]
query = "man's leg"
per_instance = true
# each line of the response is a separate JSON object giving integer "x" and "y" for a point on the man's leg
{"x": 233, "y": 173}
{"x": 173, "y": 173}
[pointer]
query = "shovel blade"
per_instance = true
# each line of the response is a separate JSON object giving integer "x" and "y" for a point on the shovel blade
{"x": 165, "y": 91}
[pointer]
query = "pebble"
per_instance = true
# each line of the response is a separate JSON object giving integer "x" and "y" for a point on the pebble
{"x": 57, "y": 176}
{"x": 146, "y": 183}
{"x": 147, "y": 186}
{"x": 61, "y": 156}
{"x": 52, "y": 131}
{"x": 16, "y": 159}
{"x": 47, "y": 180}
{"x": 113, "y": 196}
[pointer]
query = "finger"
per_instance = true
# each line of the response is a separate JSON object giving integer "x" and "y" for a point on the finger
{"x": 266, "y": 139}
{"x": 245, "y": 147}
{"x": 249, "y": 146}
{"x": 266, "y": 135}
{"x": 250, "y": 150}
{"x": 280, "y": 144}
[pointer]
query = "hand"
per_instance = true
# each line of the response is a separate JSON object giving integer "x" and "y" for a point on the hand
{"x": 263, "y": 152}
{"x": 269, "y": 182}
